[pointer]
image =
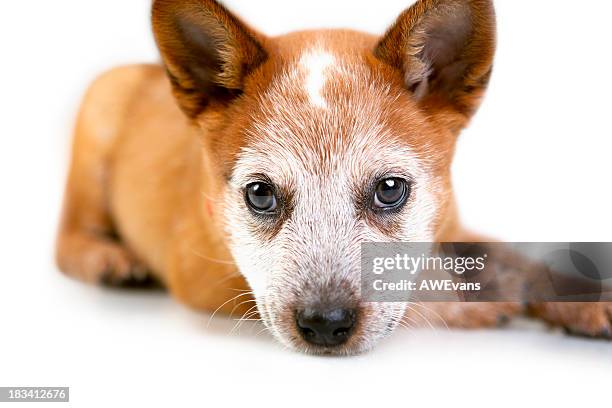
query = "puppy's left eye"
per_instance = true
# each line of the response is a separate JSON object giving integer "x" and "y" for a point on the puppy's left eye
{"x": 391, "y": 193}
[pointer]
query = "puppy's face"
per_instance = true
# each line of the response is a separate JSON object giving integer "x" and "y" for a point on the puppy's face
{"x": 333, "y": 139}
{"x": 333, "y": 157}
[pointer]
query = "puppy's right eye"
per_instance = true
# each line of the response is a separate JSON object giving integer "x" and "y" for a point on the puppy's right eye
{"x": 260, "y": 198}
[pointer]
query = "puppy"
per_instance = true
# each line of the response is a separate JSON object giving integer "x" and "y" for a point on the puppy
{"x": 247, "y": 170}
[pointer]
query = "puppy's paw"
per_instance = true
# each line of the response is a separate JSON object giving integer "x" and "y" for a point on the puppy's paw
{"x": 469, "y": 315}
{"x": 99, "y": 261}
{"x": 585, "y": 319}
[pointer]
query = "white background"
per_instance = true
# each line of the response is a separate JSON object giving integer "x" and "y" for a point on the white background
{"x": 533, "y": 166}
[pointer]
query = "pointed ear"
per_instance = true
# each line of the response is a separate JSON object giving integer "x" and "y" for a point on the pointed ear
{"x": 444, "y": 49}
{"x": 207, "y": 51}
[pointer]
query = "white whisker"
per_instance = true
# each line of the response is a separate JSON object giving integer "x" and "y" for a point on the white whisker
{"x": 432, "y": 311}
{"x": 225, "y": 303}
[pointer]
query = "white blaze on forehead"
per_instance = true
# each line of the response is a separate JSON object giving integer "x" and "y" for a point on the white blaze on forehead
{"x": 316, "y": 64}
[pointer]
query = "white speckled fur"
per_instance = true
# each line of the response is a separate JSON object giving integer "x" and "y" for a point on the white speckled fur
{"x": 321, "y": 155}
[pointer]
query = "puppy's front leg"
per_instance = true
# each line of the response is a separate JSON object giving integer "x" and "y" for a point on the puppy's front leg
{"x": 462, "y": 315}
{"x": 586, "y": 319}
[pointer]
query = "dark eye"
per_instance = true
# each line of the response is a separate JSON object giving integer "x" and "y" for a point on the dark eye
{"x": 260, "y": 197}
{"x": 391, "y": 193}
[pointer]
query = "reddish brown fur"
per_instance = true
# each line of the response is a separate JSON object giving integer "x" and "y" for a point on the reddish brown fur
{"x": 146, "y": 179}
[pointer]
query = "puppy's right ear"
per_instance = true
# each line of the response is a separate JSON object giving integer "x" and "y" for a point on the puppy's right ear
{"x": 207, "y": 51}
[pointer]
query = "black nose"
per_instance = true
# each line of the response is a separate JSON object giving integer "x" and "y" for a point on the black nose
{"x": 325, "y": 328}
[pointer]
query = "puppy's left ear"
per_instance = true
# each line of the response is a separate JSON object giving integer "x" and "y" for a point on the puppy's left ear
{"x": 444, "y": 49}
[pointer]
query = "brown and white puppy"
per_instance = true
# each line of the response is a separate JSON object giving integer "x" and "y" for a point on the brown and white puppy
{"x": 250, "y": 169}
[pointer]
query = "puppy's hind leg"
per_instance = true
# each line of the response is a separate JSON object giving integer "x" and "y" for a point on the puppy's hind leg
{"x": 88, "y": 247}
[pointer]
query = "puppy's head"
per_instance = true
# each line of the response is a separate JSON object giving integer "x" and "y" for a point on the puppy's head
{"x": 323, "y": 140}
